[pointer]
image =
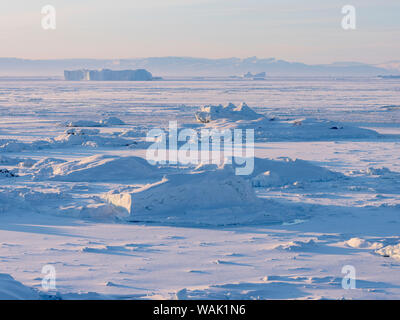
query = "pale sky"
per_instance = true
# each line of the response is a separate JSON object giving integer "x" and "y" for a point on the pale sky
{"x": 305, "y": 30}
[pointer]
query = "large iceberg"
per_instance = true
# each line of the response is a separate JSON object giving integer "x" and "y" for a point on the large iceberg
{"x": 108, "y": 75}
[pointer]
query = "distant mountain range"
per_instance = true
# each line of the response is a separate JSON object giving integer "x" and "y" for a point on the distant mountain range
{"x": 187, "y": 66}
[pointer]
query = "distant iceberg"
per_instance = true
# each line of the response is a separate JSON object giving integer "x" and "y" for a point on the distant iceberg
{"x": 257, "y": 76}
{"x": 109, "y": 75}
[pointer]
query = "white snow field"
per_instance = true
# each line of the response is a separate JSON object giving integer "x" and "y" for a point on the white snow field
{"x": 77, "y": 193}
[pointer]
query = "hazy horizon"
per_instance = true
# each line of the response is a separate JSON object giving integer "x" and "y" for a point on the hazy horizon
{"x": 309, "y": 32}
{"x": 199, "y": 57}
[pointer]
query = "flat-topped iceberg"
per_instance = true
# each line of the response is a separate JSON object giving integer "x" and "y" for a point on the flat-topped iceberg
{"x": 108, "y": 75}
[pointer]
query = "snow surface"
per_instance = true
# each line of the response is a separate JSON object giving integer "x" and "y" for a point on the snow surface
{"x": 82, "y": 198}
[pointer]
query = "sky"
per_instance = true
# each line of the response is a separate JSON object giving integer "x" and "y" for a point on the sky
{"x": 306, "y": 31}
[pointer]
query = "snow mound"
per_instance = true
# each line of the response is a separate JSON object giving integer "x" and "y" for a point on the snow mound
{"x": 11, "y": 201}
{"x": 362, "y": 244}
{"x": 134, "y": 133}
{"x": 71, "y": 138}
{"x": 277, "y": 173}
{"x": 11, "y": 289}
{"x": 204, "y": 197}
{"x": 8, "y": 161}
{"x": 81, "y": 132}
{"x": 392, "y": 251}
{"x": 382, "y": 172}
{"x": 281, "y": 288}
{"x": 89, "y": 137}
{"x": 83, "y": 123}
{"x": 13, "y": 145}
{"x": 50, "y": 200}
{"x": 32, "y": 200}
{"x": 111, "y": 121}
{"x": 96, "y": 168}
{"x": 207, "y": 167}
{"x": 43, "y": 169}
{"x": 275, "y": 129}
{"x": 230, "y": 111}
{"x": 100, "y": 211}
{"x": 270, "y": 173}
{"x": 390, "y": 107}
{"x": 306, "y": 130}
{"x": 280, "y": 172}
{"x": 298, "y": 245}
{"x": 23, "y": 162}
{"x": 192, "y": 191}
